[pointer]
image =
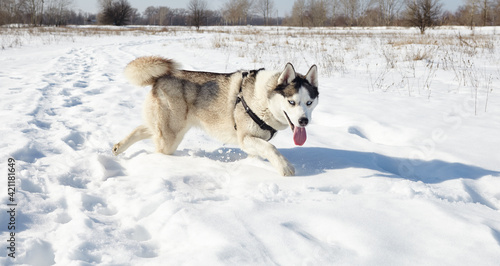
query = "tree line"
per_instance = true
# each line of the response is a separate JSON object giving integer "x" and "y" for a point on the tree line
{"x": 40, "y": 12}
{"x": 305, "y": 13}
{"x": 392, "y": 13}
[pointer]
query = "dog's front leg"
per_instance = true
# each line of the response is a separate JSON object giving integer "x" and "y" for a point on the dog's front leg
{"x": 262, "y": 148}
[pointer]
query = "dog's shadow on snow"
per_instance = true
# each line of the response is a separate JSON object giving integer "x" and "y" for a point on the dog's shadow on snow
{"x": 309, "y": 161}
{"x": 313, "y": 161}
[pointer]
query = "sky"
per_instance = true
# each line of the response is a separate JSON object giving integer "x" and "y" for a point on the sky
{"x": 283, "y": 6}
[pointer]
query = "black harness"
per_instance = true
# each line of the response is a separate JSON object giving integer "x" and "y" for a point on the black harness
{"x": 263, "y": 125}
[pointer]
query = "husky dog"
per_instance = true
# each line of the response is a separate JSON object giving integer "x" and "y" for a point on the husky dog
{"x": 244, "y": 107}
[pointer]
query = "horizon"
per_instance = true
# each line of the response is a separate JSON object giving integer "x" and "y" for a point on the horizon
{"x": 283, "y": 7}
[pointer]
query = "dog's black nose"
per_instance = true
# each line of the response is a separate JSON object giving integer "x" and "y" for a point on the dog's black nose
{"x": 303, "y": 121}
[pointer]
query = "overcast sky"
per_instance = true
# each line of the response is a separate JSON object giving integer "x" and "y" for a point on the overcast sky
{"x": 283, "y": 6}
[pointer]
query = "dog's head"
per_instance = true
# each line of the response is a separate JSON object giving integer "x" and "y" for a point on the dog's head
{"x": 294, "y": 98}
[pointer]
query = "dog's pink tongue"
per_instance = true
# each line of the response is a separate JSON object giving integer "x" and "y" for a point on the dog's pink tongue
{"x": 299, "y": 135}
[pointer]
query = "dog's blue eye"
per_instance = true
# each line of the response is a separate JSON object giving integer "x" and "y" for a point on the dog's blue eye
{"x": 291, "y": 103}
{"x": 309, "y": 103}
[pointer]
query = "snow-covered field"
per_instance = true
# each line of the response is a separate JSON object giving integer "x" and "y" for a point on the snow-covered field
{"x": 401, "y": 165}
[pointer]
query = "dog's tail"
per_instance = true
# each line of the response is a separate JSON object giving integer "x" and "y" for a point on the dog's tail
{"x": 144, "y": 71}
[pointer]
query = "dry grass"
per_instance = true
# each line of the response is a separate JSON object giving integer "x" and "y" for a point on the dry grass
{"x": 394, "y": 59}
{"x": 11, "y": 37}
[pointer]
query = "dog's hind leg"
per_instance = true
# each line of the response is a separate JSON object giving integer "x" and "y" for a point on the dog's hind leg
{"x": 139, "y": 133}
{"x": 168, "y": 140}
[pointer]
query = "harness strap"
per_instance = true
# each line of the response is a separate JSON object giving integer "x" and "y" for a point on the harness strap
{"x": 263, "y": 125}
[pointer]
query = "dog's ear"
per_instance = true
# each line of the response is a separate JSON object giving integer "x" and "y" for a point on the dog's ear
{"x": 287, "y": 76}
{"x": 312, "y": 76}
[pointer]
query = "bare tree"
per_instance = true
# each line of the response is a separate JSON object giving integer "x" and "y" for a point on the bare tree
{"x": 135, "y": 17}
{"x": 388, "y": 10}
{"x": 354, "y": 9}
{"x": 472, "y": 6}
{"x": 197, "y": 9}
{"x": 236, "y": 11}
{"x": 115, "y": 12}
{"x": 163, "y": 15}
{"x": 299, "y": 13}
{"x": 496, "y": 13}
{"x": 265, "y": 8}
{"x": 317, "y": 12}
{"x": 486, "y": 6}
{"x": 35, "y": 10}
{"x": 104, "y": 4}
{"x": 7, "y": 11}
{"x": 58, "y": 12}
{"x": 230, "y": 12}
{"x": 335, "y": 9}
{"x": 151, "y": 15}
{"x": 423, "y": 13}
{"x": 478, "y": 11}
{"x": 179, "y": 16}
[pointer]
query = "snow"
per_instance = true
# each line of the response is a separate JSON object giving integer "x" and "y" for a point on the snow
{"x": 400, "y": 166}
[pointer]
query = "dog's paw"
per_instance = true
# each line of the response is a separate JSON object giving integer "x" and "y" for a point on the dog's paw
{"x": 116, "y": 149}
{"x": 288, "y": 170}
